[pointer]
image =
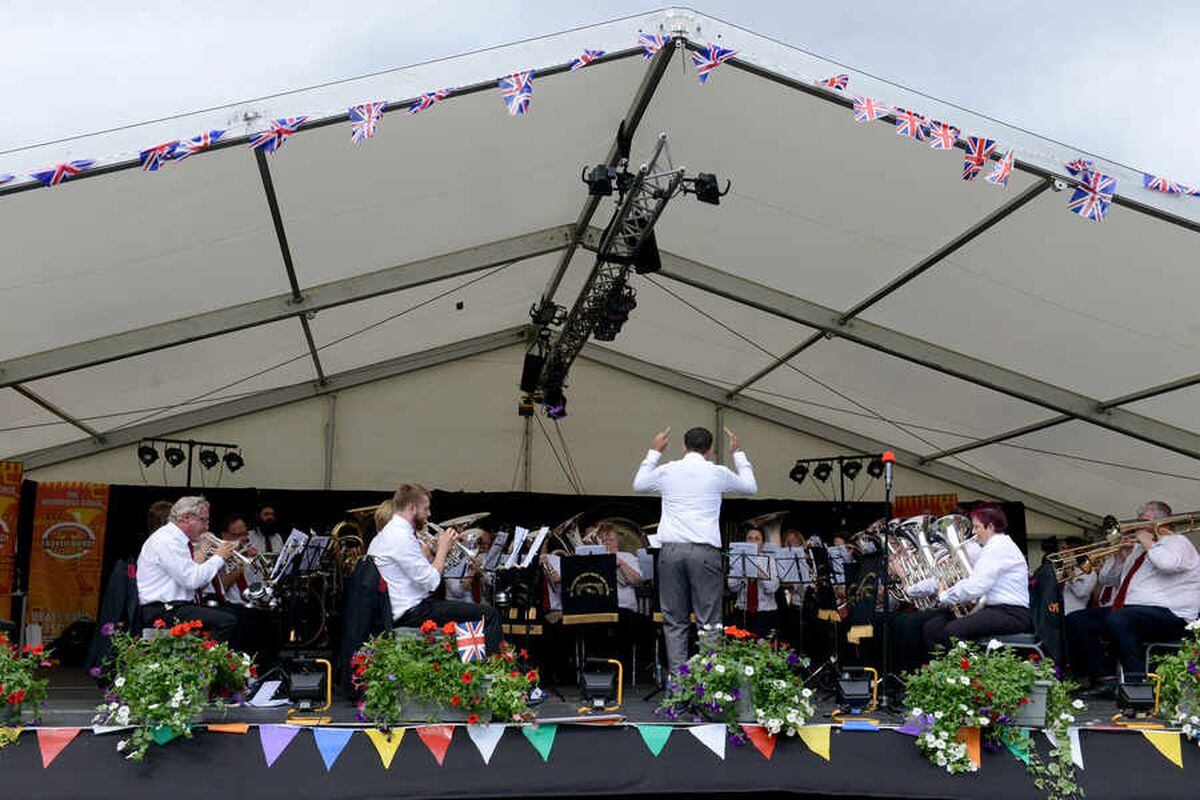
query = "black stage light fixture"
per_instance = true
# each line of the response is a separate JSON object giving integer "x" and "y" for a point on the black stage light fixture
{"x": 147, "y": 454}
{"x": 823, "y": 471}
{"x": 799, "y": 472}
{"x": 875, "y": 468}
{"x": 174, "y": 455}
{"x": 209, "y": 458}
{"x": 1136, "y": 694}
{"x": 850, "y": 469}
{"x": 234, "y": 461}
{"x": 531, "y": 371}
{"x": 856, "y": 689}
{"x": 707, "y": 189}
{"x": 599, "y": 180}
{"x": 647, "y": 259}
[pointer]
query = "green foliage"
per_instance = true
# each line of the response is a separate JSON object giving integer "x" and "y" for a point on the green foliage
{"x": 1179, "y": 673}
{"x": 19, "y": 687}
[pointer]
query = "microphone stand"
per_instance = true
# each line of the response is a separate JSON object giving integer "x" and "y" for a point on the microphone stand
{"x": 886, "y": 699}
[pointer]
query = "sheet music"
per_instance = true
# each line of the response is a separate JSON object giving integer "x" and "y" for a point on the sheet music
{"x": 793, "y": 565}
{"x": 496, "y": 552}
{"x": 518, "y": 540}
{"x": 746, "y": 562}
{"x": 291, "y": 548}
{"x": 535, "y": 547}
{"x": 313, "y": 552}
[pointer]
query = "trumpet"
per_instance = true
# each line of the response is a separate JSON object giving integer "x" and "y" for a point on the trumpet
{"x": 209, "y": 543}
{"x": 1118, "y": 535}
{"x": 461, "y": 549}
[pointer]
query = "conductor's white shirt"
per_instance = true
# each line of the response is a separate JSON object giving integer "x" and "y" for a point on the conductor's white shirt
{"x": 691, "y": 490}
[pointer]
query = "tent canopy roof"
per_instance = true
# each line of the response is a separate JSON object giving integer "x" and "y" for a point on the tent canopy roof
{"x": 850, "y": 282}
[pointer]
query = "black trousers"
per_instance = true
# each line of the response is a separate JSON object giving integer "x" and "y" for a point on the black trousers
{"x": 906, "y": 638}
{"x": 220, "y": 623}
{"x": 941, "y": 626}
{"x": 1129, "y": 629}
{"x": 443, "y": 611}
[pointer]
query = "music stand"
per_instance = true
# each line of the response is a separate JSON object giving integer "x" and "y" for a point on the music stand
{"x": 305, "y": 560}
{"x": 589, "y": 596}
{"x": 744, "y": 563}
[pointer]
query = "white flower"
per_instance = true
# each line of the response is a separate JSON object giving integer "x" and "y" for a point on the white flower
{"x": 791, "y": 731}
{"x": 749, "y": 670}
{"x": 1077, "y": 704}
{"x": 1067, "y": 718}
{"x": 994, "y": 644}
{"x": 962, "y": 707}
{"x": 916, "y": 712}
{"x": 779, "y": 684}
{"x": 1193, "y": 625}
{"x": 152, "y": 666}
{"x": 950, "y": 681}
{"x": 964, "y": 680}
{"x": 122, "y": 717}
{"x": 943, "y": 735}
{"x": 938, "y": 715}
{"x": 720, "y": 669}
{"x": 807, "y": 693}
{"x": 940, "y": 744}
{"x": 929, "y": 739}
{"x": 984, "y": 721}
{"x": 121, "y": 745}
{"x": 791, "y": 717}
{"x": 962, "y": 644}
{"x": 119, "y": 682}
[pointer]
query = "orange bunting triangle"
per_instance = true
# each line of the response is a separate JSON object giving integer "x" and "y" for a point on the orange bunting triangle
{"x": 387, "y": 743}
{"x": 437, "y": 739}
{"x": 230, "y": 727}
{"x": 764, "y": 742}
{"x": 53, "y": 741}
{"x": 970, "y": 737}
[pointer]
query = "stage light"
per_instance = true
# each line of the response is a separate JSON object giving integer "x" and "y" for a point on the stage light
{"x": 310, "y": 684}
{"x": 234, "y": 461}
{"x": 1136, "y": 694}
{"x": 875, "y": 468}
{"x": 531, "y": 371}
{"x": 209, "y": 458}
{"x": 174, "y": 455}
{"x": 823, "y": 471}
{"x": 599, "y": 180}
{"x": 850, "y": 469}
{"x": 856, "y": 689}
{"x": 147, "y": 454}
{"x": 647, "y": 258}
{"x": 799, "y": 472}
{"x": 557, "y": 411}
{"x": 707, "y": 189}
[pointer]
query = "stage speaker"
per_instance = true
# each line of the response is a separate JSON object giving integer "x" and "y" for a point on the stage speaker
{"x": 531, "y": 371}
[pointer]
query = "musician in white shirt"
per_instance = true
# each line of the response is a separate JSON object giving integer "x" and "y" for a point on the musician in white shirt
{"x": 168, "y": 578}
{"x": 265, "y": 536}
{"x": 1157, "y": 594}
{"x": 756, "y": 595}
{"x": 1078, "y": 589}
{"x": 690, "y": 569}
{"x": 411, "y": 578}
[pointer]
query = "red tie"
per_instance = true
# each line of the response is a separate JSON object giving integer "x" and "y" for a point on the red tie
{"x": 545, "y": 593}
{"x": 476, "y": 593}
{"x": 752, "y": 595}
{"x": 267, "y": 543}
{"x": 1119, "y": 600}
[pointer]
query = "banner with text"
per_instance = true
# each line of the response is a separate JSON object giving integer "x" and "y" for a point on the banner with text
{"x": 11, "y": 473}
{"x": 68, "y": 548}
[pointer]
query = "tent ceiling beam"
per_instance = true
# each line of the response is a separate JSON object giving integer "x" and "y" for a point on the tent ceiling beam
{"x": 918, "y": 269}
{"x": 58, "y": 412}
{"x": 272, "y": 398}
{"x": 282, "y": 306}
{"x": 927, "y": 354}
{"x": 712, "y": 393}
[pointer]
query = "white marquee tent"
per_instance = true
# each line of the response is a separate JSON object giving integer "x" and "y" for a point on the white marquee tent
{"x": 850, "y": 287}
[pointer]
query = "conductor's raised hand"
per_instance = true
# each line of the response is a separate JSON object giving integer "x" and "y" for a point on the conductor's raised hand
{"x": 733, "y": 440}
{"x": 660, "y": 440}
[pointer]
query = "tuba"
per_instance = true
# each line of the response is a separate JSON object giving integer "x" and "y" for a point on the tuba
{"x": 909, "y": 562}
{"x": 952, "y": 564}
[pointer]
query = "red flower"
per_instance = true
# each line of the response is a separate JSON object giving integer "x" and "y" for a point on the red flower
{"x": 472, "y": 719}
{"x": 1034, "y": 656}
{"x": 454, "y": 701}
{"x": 446, "y": 646}
{"x": 437, "y": 667}
{"x": 988, "y": 695}
{"x": 531, "y": 676}
{"x": 514, "y": 674}
{"x": 17, "y": 696}
{"x": 158, "y": 623}
{"x": 965, "y": 664}
{"x": 428, "y": 625}
{"x": 449, "y": 628}
{"x": 466, "y": 678}
{"x": 209, "y": 645}
{"x": 524, "y": 653}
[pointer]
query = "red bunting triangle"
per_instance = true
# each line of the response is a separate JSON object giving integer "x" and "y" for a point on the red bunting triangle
{"x": 437, "y": 739}
{"x": 762, "y": 741}
{"x": 53, "y": 741}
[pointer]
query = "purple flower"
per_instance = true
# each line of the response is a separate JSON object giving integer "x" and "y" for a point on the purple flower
{"x": 110, "y": 698}
{"x": 391, "y": 677}
{"x": 239, "y": 698}
{"x": 1192, "y": 667}
{"x": 736, "y": 739}
{"x": 708, "y": 667}
{"x": 684, "y": 669}
{"x": 700, "y": 691}
{"x": 672, "y": 714}
{"x": 94, "y": 672}
{"x": 107, "y": 629}
{"x": 360, "y": 716}
{"x": 792, "y": 659}
{"x": 991, "y": 747}
{"x": 737, "y": 693}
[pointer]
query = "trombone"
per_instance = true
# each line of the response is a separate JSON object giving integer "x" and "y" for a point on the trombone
{"x": 1118, "y": 534}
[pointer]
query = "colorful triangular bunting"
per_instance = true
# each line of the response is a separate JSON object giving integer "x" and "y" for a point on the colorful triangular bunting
{"x": 437, "y": 739}
{"x": 230, "y": 727}
{"x": 970, "y": 737}
{"x": 165, "y": 734}
{"x": 486, "y": 737}
{"x": 387, "y": 743}
{"x": 655, "y": 736}
{"x": 762, "y": 741}
{"x": 541, "y": 737}
{"x": 9, "y": 735}
{"x": 1167, "y": 743}
{"x": 1019, "y": 744}
{"x": 711, "y": 736}
{"x": 331, "y": 742}
{"x": 275, "y": 739}
{"x": 816, "y": 738}
{"x": 1076, "y": 747}
{"x": 53, "y": 741}
{"x": 859, "y": 725}
{"x": 100, "y": 730}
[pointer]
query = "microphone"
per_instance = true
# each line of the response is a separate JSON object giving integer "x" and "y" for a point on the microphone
{"x": 889, "y": 461}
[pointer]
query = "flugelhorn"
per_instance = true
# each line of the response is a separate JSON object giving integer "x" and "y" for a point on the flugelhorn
{"x": 1118, "y": 534}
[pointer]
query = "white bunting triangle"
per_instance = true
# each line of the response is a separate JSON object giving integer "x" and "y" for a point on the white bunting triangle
{"x": 100, "y": 730}
{"x": 1076, "y": 748}
{"x": 711, "y": 736}
{"x": 486, "y": 737}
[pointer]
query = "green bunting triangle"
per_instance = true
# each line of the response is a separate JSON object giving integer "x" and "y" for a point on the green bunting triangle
{"x": 1018, "y": 743}
{"x": 655, "y": 736}
{"x": 541, "y": 737}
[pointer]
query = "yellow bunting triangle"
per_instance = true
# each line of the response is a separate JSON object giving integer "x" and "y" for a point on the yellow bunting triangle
{"x": 9, "y": 735}
{"x": 1167, "y": 743}
{"x": 387, "y": 743}
{"x": 816, "y": 737}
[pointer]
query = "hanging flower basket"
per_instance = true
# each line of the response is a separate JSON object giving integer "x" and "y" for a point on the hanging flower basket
{"x": 20, "y": 688}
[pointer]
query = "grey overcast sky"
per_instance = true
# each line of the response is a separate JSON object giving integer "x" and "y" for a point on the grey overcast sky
{"x": 1102, "y": 76}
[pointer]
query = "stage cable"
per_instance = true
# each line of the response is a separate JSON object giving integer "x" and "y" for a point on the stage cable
{"x": 567, "y": 454}
{"x": 554, "y": 450}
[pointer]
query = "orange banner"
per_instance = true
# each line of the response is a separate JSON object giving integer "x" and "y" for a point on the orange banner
{"x": 910, "y": 505}
{"x": 68, "y": 548}
{"x": 11, "y": 473}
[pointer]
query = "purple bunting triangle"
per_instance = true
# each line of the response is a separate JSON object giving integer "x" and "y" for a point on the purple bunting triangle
{"x": 275, "y": 739}
{"x": 915, "y": 726}
{"x": 331, "y": 742}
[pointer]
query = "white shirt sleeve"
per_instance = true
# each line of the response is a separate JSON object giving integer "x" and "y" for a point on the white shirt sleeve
{"x": 925, "y": 588}
{"x": 742, "y": 481}
{"x": 411, "y": 562}
{"x": 176, "y": 560}
{"x": 984, "y": 572}
{"x": 1173, "y": 554}
{"x": 1082, "y": 586}
{"x": 648, "y": 477}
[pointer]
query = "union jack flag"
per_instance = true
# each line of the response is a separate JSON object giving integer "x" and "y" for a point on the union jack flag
{"x": 427, "y": 100}
{"x": 62, "y": 172}
{"x": 1093, "y": 196}
{"x": 6, "y": 177}
{"x": 273, "y": 138}
{"x": 709, "y": 58}
{"x": 911, "y": 124}
{"x": 651, "y": 43}
{"x": 838, "y": 82}
{"x": 1157, "y": 183}
{"x": 588, "y": 56}
{"x": 470, "y": 638}
{"x": 364, "y": 119}
{"x": 942, "y": 136}
{"x": 196, "y": 144}
{"x": 158, "y": 155}
{"x": 1078, "y": 165}
{"x": 517, "y": 91}
{"x": 867, "y": 109}
{"x": 979, "y": 150}
{"x": 1003, "y": 169}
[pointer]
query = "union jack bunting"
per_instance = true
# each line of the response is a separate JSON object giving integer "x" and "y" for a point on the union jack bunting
{"x": 1078, "y": 165}
{"x": 651, "y": 43}
{"x": 911, "y": 124}
{"x": 517, "y": 91}
{"x": 273, "y": 138}
{"x": 942, "y": 136}
{"x": 867, "y": 109}
{"x": 588, "y": 56}
{"x": 428, "y": 99}
{"x": 1093, "y": 196}
{"x": 470, "y": 639}
{"x": 709, "y": 58}
{"x": 196, "y": 144}
{"x": 1157, "y": 183}
{"x": 156, "y": 156}
{"x": 838, "y": 82}
{"x": 979, "y": 150}
{"x": 62, "y": 172}
{"x": 6, "y": 177}
{"x": 364, "y": 119}
{"x": 1003, "y": 169}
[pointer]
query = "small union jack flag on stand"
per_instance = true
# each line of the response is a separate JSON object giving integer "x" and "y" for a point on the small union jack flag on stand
{"x": 1157, "y": 183}
{"x": 517, "y": 91}
{"x": 588, "y": 56}
{"x": 911, "y": 124}
{"x": 62, "y": 172}
{"x": 651, "y": 43}
{"x": 1093, "y": 196}
{"x": 867, "y": 109}
{"x": 155, "y": 157}
{"x": 471, "y": 641}
{"x": 364, "y": 120}
{"x": 428, "y": 99}
{"x": 1003, "y": 169}
{"x": 196, "y": 145}
{"x": 979, "y": 150}
{"x": 942, "y": 136}
{"x": 1078, "y": 166}
{"x": 709, "y": 58}
{"x": 274, "y": 137}
{"x": 839, "y": 82}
